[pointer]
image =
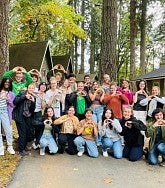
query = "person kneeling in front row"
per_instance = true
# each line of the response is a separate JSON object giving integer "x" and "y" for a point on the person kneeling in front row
{"x": 133, "y": 139}
{"x": 88, "y": 130}
{"x": 156, "y": 132}
{"x": 45, "y": 137}
{"x": 109, "y": 131}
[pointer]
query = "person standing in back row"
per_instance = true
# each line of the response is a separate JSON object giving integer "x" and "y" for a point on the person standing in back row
{"x": 23, "y": 114}
{"x": 153, "y": 101}
{"x": 18, "y": 85}
{"x": 114, "y": 100}
{"x": 6, "y": 107}
{"x": 80, "y": 100}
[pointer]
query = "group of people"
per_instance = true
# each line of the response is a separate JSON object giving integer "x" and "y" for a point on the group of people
{"x": 78, "y": 117}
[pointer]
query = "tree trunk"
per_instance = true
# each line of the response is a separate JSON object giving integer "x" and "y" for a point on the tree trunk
{"x": 143, "y": 38}
{"x": 74, "y": 50}
{"x": 92, "y": 43}
{"x": 109, "y": 39}
{"x": 4, "y": 50}
{"x": 133, "y": 32}
{"x": 76, "y": 55}
{"x": 82, "y": 40}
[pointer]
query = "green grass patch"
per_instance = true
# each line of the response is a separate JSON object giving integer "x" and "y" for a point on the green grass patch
{"x": 8, "y": 162}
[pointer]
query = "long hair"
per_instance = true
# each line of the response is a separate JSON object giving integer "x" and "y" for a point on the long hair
{"x": 126, "y": 80}
{"x": 99, "y": 88}
{"x": 138, "y": 88}
{"x": 45, "y": 115}
{"x": 3, "y": 83}
{"x": 105, "y": 110}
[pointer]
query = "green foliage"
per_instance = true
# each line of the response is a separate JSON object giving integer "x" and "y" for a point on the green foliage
{"x": 123, "y": 41}
{"x": 43, "y": 20}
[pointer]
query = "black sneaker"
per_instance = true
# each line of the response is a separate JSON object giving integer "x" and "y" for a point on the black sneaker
{"x": 162, "y": 164}
{"x": 145, "y": 153}
{"x": 61, "y": 149}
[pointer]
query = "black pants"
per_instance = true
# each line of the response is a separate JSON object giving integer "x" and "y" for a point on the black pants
{"x": 133, "y": 153}
{"x": 37, "y": 129}
{"x": 25, "y": 132}
{"x": 67, "y": 138}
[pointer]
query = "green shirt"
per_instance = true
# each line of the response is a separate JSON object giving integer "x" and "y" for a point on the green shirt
{"x": 17, "y": 87}
{"x": 81, "y": 106}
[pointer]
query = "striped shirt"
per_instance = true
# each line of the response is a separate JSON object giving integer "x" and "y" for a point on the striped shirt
{"x": 3, "y": 101}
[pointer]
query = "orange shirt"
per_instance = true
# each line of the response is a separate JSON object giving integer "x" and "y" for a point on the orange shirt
{"x": 115, "y": 103}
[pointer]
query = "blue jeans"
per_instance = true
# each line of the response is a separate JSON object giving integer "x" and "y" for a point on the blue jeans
{"x": 48, "y": 140}
{"x": 5, "y": 121}
{"x": 97, "y": 113}
{"x": 80, "y": 142}
{"x": 97, "y": 117}
{"x": 116, "y": 146}
{"x": 158, "y": 148}
{"x": 133, "y": 153}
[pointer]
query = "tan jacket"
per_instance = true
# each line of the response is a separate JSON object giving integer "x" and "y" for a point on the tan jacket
{"x": 68, "y": 126}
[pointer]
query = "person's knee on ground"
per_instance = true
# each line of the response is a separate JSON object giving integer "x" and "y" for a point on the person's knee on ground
{"x": 53, "y": 150}
{"x": 94, "y": 155}
{"x": 161, "y": 148}
{"x": 118, "y": 156}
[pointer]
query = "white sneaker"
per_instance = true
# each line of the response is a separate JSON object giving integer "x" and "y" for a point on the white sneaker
{"x": 35, "y": 146}
{"x": 1, "y": 150}
{"x": 11, "y": 150}
{"x": 105, "y": 153}
{"x": 42, "y": 151}
{"x": 80, "y": 153}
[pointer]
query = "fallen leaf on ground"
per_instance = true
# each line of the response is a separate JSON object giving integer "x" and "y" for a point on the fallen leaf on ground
{"x": 107, "y": 180}
{"x": 75, "y": 169}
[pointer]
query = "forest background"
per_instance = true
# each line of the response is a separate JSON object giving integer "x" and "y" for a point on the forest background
{"x": 124, "y": 38}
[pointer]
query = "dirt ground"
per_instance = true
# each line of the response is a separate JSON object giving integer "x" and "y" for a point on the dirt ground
{"x": 65, "y": 171}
